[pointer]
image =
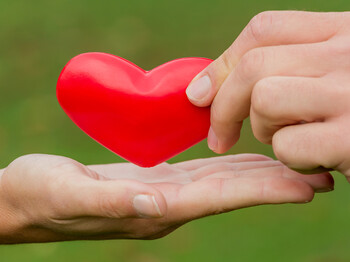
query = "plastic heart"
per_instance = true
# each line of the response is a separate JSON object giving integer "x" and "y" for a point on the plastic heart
{"x": 143, "y": 116}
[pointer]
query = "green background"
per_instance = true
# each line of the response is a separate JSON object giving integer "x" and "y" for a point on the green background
{"x": 37, "y": 38}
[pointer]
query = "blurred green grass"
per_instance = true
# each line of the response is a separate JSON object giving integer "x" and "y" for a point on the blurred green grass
{"x": 37, "y": 38}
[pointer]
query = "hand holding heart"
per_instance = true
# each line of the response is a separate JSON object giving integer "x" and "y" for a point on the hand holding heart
{"x": 51, "y": 198}
{"x": 290, "y": 72}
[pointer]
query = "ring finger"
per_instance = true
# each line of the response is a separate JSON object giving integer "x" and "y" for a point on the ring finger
{"x": 281, "y": 101}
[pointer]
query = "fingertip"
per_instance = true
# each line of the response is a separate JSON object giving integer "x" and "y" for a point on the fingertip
{"x": 284, "y": 190}
{"x": 151, "y": 204}
{"x": 147, "y": 206}
{"x": 301, "y": 192}
{"x": 223, "y": 136}
{"x": 197, "y": 103}
{"x": 218, "y": 146}
{"x": 200, "y": 91}
{"x": 224, "y": 145}
{"x": 213, "y": 141}
{"x": 326, "y": 183}
{"x": 330, "y": 179}
{"x": 162, "y": 204}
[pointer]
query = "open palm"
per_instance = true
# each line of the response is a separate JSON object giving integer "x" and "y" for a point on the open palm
{"x": 54, "y": 198}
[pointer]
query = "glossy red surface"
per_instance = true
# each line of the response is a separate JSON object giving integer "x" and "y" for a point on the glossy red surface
{"x": 143, "y": 116}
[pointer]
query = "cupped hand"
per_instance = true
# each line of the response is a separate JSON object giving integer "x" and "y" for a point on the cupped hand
{"x": 290, "y": 71}
{"x": 52, "y": 198}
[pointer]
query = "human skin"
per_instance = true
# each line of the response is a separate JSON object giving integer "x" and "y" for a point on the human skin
{"x": 290, "y": 72}
{"x": 45, "y": 198}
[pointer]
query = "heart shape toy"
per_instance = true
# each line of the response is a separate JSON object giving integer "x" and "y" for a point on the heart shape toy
{"x": 143, "y": 116}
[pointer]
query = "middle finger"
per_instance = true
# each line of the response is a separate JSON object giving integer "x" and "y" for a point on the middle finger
{"x": 280, "y": 101}
{"x": 232, "y": 103}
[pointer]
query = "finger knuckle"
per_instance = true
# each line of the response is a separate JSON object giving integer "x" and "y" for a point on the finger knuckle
{"x": 251, "y": 63}
{"x": 226, "y": 59}
{"x": 219, "y": 69}
{"x": 259, "y": 27}
{"x": 106, "y": 205}
{"x": 281, "y": 148}
{"x": 261, "y": 97}
{"x": 259, "y": 131}
{"x": 264, "y": 99}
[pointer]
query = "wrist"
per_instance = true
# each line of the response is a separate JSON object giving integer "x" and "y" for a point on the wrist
{"x": 12, "y": 224}
{"x": 16, "y": 228}
{"x": 17, "y": 225}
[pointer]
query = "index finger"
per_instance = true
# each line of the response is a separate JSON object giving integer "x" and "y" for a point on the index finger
{"x": 270, "y": 28}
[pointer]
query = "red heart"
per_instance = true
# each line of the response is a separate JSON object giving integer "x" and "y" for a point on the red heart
{"x": 143, "y": 116}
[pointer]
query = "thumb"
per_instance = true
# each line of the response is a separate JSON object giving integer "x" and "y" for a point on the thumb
{"x": 203, "y": 88}
{"x": 117, "y": 199}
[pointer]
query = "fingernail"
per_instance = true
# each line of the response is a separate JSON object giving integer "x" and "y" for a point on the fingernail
{"x": 199, "y": 89}
{"x": 324, "y": 190}
{"x": 212, "y": 140}
{"x": 146, "y": 206}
